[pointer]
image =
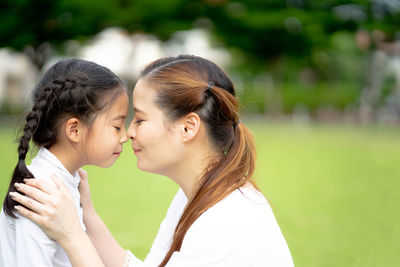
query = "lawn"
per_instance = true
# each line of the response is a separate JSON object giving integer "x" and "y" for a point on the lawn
{"x": 335, "y": 191}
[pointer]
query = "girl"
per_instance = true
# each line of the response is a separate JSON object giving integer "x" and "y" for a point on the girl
{"x": 77, "y": 106}
{"x": 186, "y": 127}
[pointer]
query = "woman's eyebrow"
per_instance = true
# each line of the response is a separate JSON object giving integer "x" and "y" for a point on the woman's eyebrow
{"x": 138, "y": 110}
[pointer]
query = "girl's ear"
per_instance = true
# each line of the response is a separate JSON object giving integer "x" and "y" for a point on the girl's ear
{"x": 73, "y": 129}
{"x": 190, "y": 126}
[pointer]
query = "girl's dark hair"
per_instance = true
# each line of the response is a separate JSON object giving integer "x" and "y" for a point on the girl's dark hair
{"x": 70, "y": 88}
{"x": 187, "y": 84}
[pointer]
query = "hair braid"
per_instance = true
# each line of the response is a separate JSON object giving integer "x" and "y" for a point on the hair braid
{"x": 21, "y": 171}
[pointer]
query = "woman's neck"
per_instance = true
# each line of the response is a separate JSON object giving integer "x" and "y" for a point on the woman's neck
{"x": 191, "y": 170}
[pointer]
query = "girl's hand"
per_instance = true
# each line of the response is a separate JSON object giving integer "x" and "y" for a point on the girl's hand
{"x": 52, "y": 208}
{"x": 84, "y": 190}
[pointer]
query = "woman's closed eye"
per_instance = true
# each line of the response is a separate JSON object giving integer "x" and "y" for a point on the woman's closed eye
{"x": 138, "y": 121}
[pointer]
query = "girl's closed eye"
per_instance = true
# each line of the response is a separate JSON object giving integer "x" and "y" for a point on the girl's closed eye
{"x": 137, "y": 121}
{"x": 118, "y": 128}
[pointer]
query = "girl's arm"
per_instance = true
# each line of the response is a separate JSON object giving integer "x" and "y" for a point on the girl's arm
{"x": 108, "y": 248}
{"x": 54, "y": 211}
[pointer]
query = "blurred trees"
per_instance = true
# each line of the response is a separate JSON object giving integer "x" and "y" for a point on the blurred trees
{"x": 283, "y": 45}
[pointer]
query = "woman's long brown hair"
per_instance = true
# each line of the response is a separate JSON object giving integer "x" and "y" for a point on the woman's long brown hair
{"x": 187, "y": 84}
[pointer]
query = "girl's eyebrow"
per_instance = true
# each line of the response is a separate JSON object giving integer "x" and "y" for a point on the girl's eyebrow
{"x": 120, "y": 117}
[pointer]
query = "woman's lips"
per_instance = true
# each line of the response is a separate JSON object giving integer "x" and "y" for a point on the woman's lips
{"x": 136, "y": 150}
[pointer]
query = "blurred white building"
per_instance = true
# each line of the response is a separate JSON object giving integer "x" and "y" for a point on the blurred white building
{"x": 127, "y": 54}
{"x": 124, "y": 53}
{"x": 18, "y": 77}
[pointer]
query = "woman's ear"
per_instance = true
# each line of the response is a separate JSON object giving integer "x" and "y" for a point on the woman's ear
{"x": 191, "y": 125}
{"x": 73, "y": 130}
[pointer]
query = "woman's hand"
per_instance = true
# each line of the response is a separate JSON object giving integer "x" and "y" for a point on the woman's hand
{"x": 84, "y": 190}
{"x": 52, "y": 208}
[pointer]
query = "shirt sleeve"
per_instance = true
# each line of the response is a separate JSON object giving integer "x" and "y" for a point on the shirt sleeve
{"x": 33, "y": 246}
{"x": 132, "y": 261}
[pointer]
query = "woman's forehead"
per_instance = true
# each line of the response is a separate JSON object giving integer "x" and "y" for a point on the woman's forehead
{"x": 142, "y": 90}
{"x": 143, "y": 98}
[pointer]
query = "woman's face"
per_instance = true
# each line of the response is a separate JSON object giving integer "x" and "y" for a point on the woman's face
{"x": 155, "y": 141}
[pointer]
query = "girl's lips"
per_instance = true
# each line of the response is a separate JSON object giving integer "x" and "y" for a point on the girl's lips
{"x": 136, "y": 150}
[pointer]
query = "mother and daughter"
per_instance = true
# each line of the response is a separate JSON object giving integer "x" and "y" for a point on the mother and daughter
{"x": 185, "y": 126}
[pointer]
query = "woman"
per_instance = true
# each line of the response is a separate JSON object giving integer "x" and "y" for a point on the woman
{"x": 186, "y": 127}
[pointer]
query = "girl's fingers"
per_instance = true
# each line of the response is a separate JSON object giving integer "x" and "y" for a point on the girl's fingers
{"x": 40, "y": 184}
{"x": 83, "y": 174}
{"x": 31, "y": 191}
{"x": 28, "y": 202}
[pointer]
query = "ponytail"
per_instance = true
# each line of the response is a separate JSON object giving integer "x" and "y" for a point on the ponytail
{"x": 191, "y": 84}
{"x": 233, "y": 170}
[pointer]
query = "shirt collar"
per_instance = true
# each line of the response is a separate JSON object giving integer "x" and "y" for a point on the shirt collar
{"x": 45, "y": 157}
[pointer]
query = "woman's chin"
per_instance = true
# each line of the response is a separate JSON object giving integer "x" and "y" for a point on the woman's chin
{"x": 141, "y": 167}
{"x": 147, "y": 168}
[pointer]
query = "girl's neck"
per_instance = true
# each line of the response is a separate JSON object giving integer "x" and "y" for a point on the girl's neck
{"x": 68, "y": 156}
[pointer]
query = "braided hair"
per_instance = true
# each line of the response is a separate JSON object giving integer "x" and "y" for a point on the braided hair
{"x": 70, "y": 88}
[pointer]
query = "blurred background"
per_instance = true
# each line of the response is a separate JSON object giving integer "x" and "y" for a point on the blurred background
{"x": 319, "y": 86}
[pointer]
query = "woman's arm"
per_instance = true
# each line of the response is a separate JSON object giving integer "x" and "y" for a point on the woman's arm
{"x": 54, "y": 211}
{"x": 108, "y": 248}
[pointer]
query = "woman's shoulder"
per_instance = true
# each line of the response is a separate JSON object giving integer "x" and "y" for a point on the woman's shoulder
{"x": 245, "y": 207}
{"x": 240, "y": 224}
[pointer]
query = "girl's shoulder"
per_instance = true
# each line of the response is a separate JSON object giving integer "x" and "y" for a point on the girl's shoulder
{"x": 40, "y": 171}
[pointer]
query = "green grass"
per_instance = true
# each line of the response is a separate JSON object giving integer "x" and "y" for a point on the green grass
{"x": 335, "y": 190}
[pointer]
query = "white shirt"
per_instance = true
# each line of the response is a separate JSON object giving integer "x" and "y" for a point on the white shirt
{"x": 22, "y": 242}
{"x": 238, "y": 231}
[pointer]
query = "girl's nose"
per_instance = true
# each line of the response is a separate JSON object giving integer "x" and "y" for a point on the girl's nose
{"x": 124, "y": 136}
{"x": 131, "y": 134}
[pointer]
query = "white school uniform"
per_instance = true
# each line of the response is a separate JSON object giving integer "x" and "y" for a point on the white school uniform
{"x": 22, "y": 242}
{"x": 238, "y": 231}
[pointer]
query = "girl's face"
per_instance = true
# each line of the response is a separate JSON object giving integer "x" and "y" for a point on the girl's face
{"x": 155, "y": 141}
{"x": 107, "y": 134}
